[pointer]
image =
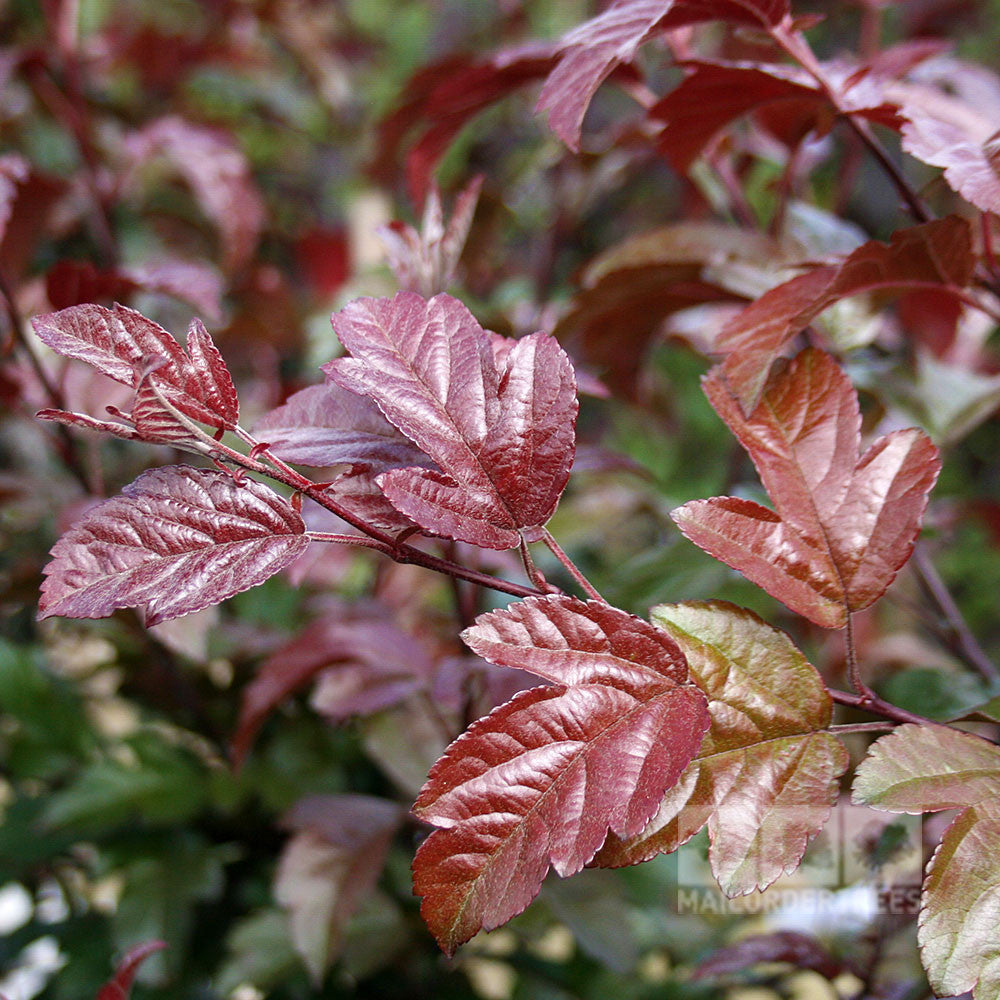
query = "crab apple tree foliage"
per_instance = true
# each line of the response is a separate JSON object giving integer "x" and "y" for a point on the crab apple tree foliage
{"x": 561, "y": 732}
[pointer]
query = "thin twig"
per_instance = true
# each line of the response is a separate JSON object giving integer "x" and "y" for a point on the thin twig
{"x": 879, "y": 706}
{"x": 795, "y": 46}
{"x": 965, "y": 642}
{"x": 853, "y": 669}
{"x": 861, "y": 727}
{"x": 556, "y": 549}
{"x": 398, "y": 551}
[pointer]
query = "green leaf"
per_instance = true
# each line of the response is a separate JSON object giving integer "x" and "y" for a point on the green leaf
{"x": 917, "y": 769}
{"x": 960, "y": 909}
{"x": 766, "y": 775}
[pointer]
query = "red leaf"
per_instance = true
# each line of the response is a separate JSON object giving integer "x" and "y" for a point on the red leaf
{"x": 765, "y": 776}
{"x": 383, "y": 662}
{"x": 935, "y": 255}
{"x": 74, "y": 282}
{"x": 542, "y": 779}
{"x": 949, "y": 130}
{"x": 14, "y": 170}
{"x": 800, "y": 950}
{"x": 120, "y": 986}
{"x": 715, "y": 94}
{"x": 503, "y": 438}
{"x": 329, "y": 867}
{"x": 218, "y": 174}
{"x": 591, "y": 51}
{"x": 843, "y": 526}
{"x": 119, "y": 342}
{"x": 425, "y": 262}
{"x": 325, "y": 425}
{"x": 177, "y": 540}
{"x": 444, "y": 96}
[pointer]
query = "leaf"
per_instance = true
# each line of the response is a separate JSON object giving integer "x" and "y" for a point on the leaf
{"x": 120, "y": 987}
{"x": 119, "y": 342}
{"x": 543, "y": 778}
{"x": 790, "y": 103}
{"x": 934, "y": 255}
{"x": 14, "y": 170}
{"x": 799, "y": 950}
{"x": 383, "y": 662}
{"x": 502, "y": 436}
{"x": 442, "y": 98}
{"x": 629, "y": 290}
{"x": 218, "y": 174}
{"x": 844, "y": 526}
{"x": 947, "y": 131}
{"x": 960, "y": 906}
{"x": 917, "y": 769}
{"x": 74, "y": 282}
{"x": 328, "y": 867}
{"x": 325, "y": 425}
{"x": 765, "y": 777}
{"x": 593, "y": 50}
{"x": 176, "y": 540}
{"x": 425, "y": 261}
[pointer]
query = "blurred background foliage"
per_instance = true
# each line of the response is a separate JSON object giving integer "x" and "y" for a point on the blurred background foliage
{"x": 123, "y": 817}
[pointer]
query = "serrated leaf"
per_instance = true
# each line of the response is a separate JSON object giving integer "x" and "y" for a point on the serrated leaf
{"x": 765, "y": 777}
{"x": 960, "y": 906}
{"x": 328, "y": 867}
{"x": 917, "y": 769}
{"x": 543, "y": 778}
{"x": 176, "y": 540}
{"x": 935, "y": 255}
{"x": 120, "y": 987}
{"x": 593, "y": 50}
{"x": 843, "y": 526}
{"x": 119, "y": 342}
{"x": 502, "y": 435}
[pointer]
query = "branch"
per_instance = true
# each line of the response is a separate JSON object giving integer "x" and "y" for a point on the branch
{"x": 964, "y": 641}
{"x": 872, "y": 703}
{"x": 570, "y": 566}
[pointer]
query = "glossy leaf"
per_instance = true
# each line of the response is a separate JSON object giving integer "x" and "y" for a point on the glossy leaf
{"x": 176, "y": 540}
{"x": 843, "y": 526}
{"x": 119, "y": 343}
{"x": 917, "y": 769}
{"x": 502, "y": 436}
{"x": 325, "y": 425}
{"x": 934, "y": 255}
{"x": 120, "y": 986}
{"x": 960, "y": 906}
{"x": 594, "y": 49}
{"x": 328, "y": 868}
{"x": 543, "y": 778}
{"x": 765, "y": 777}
